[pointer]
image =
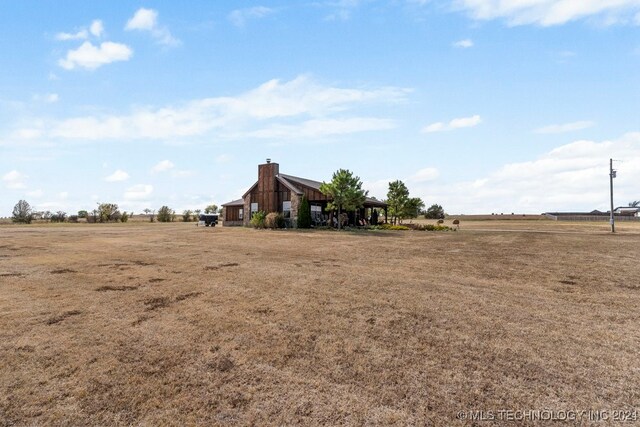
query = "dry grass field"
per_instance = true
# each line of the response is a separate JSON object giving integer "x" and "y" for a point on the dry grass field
{"x": 171, "y": 324}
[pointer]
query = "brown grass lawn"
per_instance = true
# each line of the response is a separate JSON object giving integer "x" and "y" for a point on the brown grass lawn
{"x": 174, "y": 324}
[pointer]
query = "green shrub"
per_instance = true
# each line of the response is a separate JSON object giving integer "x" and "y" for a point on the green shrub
{"x": 124, "y": 217}
{"x": 258, "y": 219}
{"x": 73, "y": 218}
{"x": 304, "y": 214}
{"x": 274, "y": 220}
{"x": 165, "y": 214}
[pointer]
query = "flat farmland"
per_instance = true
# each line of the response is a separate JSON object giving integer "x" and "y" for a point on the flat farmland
{"x": 172, "y": 324}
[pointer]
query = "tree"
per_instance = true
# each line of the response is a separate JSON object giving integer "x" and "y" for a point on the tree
{"x": 304, "y": 213}
{"x": 434, "y": 212}
{"x": 412, "y": 208}
{"x": 108, "y": 212}
{"x": 345, "y": 191}
{"x": 22, "y": 213}
{"x": 150, "y": 213}
{"x": 82, "y": 214}
{"x": 186, "y": 215}
{"x": 634, "y": 204}
{"x": 211, "y": 209}
{"x": 59, "y": 216}
{"x": 196, "y": 215}
{"x": 165, "y": 214}
{"x": 397, "y": 198}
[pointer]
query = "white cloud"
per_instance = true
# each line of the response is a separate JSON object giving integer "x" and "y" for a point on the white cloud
{"x": 138, "y": 192}
{"x": 14, "y": 180}
{"x": 143, "y": 19}
{"x": 49, "y": 98}
{"x": 91, "y": 57}
{"x": 322, "y": 127}
{"x": 147, "y": 20}
{"x": 80, "y": 35}
{"x": 465, "y": 44}
{"x": 239, "y": 17}
{"x": 162, "y": 166}
{"x": 549, "y": 12}
{"x": 463, "y": 122}
{"x": 64, "y": 195}
{"x": 423, "y": 175}
{"x": 273, "y": 109}
{"x": 117, "y": 176}
{"x": 566, "y": 127}
{"x": 572, "y": 177}
{"x": 96, "y": 28}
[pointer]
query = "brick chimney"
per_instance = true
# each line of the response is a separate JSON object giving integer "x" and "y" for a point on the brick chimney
{"x": 267, "y": 185}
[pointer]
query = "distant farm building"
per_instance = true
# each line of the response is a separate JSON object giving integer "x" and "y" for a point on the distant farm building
{"x": 277, "y": 192}
{"x": 621, "y": 213}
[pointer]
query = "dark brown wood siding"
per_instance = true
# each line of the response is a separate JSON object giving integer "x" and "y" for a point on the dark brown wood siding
{"x": 232, "y": 213}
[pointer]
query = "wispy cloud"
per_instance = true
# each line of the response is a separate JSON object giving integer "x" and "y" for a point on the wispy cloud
{"x": 300, "y": 107}
{"x": 565, "y": 127}
{"x": 162, "y": 166}
{"x": 147, "y": 20}
{"x": 91, "y": 57}
{"x": 463, "y": 122}
{"x": 550, "y": 12}
{"x": 14, "y": 180}
{"x": 95, "y": 29}
{"x": 138, "y": 192}
{"x": 239, "y": 17}
{"x": 464, "y": 44}
{"x": 117, "y": 176}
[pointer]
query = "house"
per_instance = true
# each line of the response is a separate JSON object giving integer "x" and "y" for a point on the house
{"x": 277, "y": 192}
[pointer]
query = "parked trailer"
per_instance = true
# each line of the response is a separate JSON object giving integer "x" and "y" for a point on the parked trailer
{"x": 208, "y": 220}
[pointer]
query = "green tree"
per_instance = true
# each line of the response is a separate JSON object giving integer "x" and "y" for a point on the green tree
{"x": 345, "y": 191}
{"x": 186, "y": 215}
{"x": 59, "y": 216}
{"x": 304, "y": 213}
{"x": 196, "y": 215}
{"x": 108, "y": 212}
{"x": 397, "y": 198}
{"x": 22, "y": 213}
{"x": 413, "y": 207}
{"x": 434, "y": 212}
{"x": 165, "y": 214}
{"x": 211, "y": 209}
{"x": 82, "y": 214}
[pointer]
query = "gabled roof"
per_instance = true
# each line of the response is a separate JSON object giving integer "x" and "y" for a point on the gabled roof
{"x": 293, "y": 183}
{"x": 239, "y": 202}
{"x": 316, "y": 186}
{"x": 288, "y": 184}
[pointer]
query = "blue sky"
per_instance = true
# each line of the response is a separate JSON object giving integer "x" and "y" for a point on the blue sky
{"x": 479, "y": 105}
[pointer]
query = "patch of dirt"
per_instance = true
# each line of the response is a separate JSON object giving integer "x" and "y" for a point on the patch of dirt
{"x": 116, "y": 288}
{"x": 218, "y": 267}
{"x": 11, "y": 275}
{"x": 63, "y": 271}
{"x": 156, "y": 280}
{"x": 59, "y": 318}
{"x": 189, "y": 295}
{"x": 157, "y": 302}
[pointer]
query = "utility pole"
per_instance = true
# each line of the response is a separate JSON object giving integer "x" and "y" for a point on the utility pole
{"x": 612, "y": 174}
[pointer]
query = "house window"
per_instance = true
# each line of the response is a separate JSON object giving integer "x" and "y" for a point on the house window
{"x": 240, "y": 213}
{"x": 254, "y": 208}
{"x": 286, "y": 209}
